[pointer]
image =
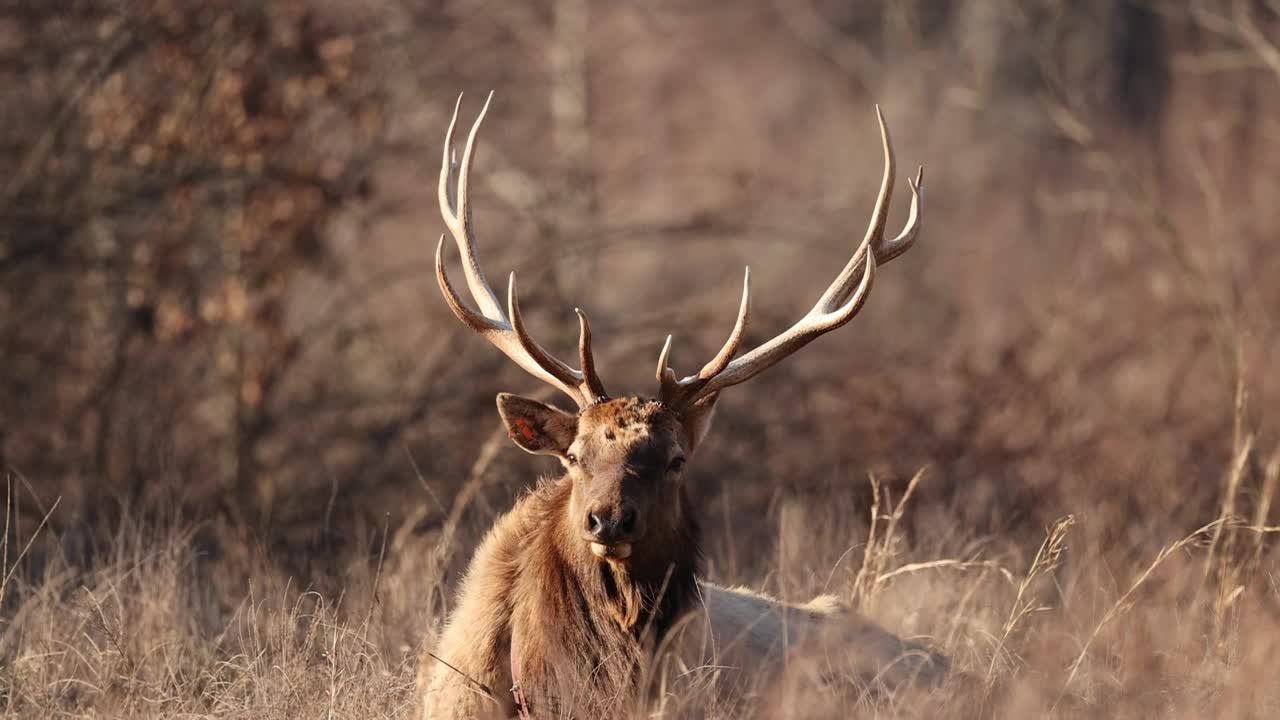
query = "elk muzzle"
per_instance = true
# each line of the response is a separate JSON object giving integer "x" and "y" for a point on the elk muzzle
{"x": 611, "y": 529}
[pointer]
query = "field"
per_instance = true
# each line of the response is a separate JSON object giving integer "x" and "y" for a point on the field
{"x": 246, "y": 451}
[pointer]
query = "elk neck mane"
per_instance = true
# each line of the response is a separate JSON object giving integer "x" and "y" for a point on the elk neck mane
{"x": 566, "y": 600}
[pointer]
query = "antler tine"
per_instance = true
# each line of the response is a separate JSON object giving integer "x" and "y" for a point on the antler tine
{"x": 544, "y": 365}
{"x": 838, "y": 304}
{"x": 840, "y": 288}
{"x": 457, "y": 213}
{"x": 891, "y": 249}
{"x": 670, "y": 388}
{"x": 508, "y": 334}
{"x": 666, "y": 376}
{"x": 731, "y": 345}
{"x": 472, "y": 319}
{"x": 590, "y": 380}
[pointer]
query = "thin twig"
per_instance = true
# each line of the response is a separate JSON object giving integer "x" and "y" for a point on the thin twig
{"x": 9, "y": 571}
{"x": 479, "y": 685}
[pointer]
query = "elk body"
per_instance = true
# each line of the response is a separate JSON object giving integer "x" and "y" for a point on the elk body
{"x": 591, "y": 581}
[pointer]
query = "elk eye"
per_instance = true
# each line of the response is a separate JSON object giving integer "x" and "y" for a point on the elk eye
{"x": 676, "y": 465}
{"x": 571, "y": 459}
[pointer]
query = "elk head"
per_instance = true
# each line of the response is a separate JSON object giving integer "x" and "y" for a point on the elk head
{"x": 626, "y": 456}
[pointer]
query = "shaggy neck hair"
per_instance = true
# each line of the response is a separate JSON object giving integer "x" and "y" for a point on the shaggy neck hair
{"x": 584, "y": 628}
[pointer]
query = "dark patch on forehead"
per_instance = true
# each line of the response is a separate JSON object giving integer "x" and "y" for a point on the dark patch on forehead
{"x": 646, "y": 458}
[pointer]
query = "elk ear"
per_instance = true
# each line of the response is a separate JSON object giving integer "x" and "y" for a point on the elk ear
{"x": 695, "y": 421}
{"x": 537, "y": 427}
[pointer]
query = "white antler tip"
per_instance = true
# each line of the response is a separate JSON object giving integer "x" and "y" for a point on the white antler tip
{"x": 663, "y": 371}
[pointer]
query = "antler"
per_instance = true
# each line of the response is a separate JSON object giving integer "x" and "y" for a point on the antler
{"x": 508, "y": 335}
{"x": 837, "y": 306}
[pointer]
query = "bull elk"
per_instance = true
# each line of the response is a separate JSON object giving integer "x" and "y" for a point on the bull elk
{"x": 573, "y": 595}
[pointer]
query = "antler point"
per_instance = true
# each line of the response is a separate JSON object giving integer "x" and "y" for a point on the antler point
{"x": 511, "y": 289}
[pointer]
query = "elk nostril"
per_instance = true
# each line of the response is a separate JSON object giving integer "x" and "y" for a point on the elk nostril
{"x": 594, "y": 525}
{"x": 628, "y": 521}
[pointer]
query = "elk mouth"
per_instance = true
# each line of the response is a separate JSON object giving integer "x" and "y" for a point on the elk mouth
{"x": 616, "y": 551}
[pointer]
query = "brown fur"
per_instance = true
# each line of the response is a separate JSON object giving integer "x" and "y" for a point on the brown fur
{"x": 583, "y": 630}
{"x": 582, "y": 627}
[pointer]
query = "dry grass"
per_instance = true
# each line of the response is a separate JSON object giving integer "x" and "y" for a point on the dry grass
{"x": 156, "y": 627}
{"x": 165, "y": 620}
{"x": 1080, "y": 348}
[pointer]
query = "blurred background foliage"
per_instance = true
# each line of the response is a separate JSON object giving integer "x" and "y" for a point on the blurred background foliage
{"x": 217, "y": 221}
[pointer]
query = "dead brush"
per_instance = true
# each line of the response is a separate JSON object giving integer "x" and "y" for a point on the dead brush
{"x": 1026, "y": 603}
{"x": 883, "y": 547}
